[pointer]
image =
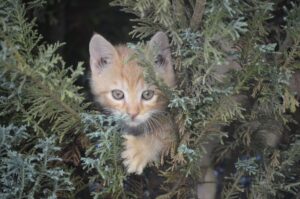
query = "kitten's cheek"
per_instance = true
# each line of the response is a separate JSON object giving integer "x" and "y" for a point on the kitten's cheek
{"x": 143, "y": 118}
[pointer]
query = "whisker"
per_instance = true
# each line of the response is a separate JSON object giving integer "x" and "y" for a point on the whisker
{"x": 148, "y": 126}
{"x": 158, "y": 119}
{"x": 155, "y": 123}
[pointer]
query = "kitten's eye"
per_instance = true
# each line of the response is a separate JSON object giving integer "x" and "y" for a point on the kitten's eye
{"x": 117, "y": 94}
{"x": 147, "y": 95}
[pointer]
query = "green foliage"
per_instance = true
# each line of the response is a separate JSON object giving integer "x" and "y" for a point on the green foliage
{"x": 104, "y": 154}
{"x": 30, "y": 175}
{"x": 42, "y": 91}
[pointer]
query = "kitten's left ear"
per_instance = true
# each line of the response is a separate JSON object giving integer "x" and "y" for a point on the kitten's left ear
{"x": 163, "y": 64}
{"x": 102, "y": 53}
{"x": 160, "y": 44}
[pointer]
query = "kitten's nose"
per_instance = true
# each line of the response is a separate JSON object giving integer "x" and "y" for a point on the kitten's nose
{"x": 133, "y": 113}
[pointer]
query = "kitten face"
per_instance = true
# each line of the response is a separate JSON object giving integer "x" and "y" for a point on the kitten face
{"x": 119, "y": 86}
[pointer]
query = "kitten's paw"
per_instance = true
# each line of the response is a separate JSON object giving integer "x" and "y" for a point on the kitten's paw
{"x": 134, "y": 162}
{"x": 134, "y": 155}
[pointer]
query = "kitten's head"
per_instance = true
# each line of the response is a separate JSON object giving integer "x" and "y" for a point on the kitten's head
{"x": 118, "y": 84}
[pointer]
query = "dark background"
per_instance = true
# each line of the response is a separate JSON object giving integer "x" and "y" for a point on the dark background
{"x": 74, "y": 22}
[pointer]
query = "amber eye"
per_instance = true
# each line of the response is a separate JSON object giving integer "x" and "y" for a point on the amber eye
{"x": 117, "y": 94}
{"x": 147, "y": 95}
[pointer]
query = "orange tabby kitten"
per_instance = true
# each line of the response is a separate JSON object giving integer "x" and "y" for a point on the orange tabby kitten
{"x": 118, "y": 84}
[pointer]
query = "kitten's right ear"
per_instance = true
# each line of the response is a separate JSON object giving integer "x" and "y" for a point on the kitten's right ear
{"x": 102, "y": 53}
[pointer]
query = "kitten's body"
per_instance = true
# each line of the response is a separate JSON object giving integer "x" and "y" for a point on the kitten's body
{"x": 117, "y": 83}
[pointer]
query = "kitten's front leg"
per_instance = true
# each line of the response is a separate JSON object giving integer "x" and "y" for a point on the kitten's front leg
{"x": 139, "y": 151}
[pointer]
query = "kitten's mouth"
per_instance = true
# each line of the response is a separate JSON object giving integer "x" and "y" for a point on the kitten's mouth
{"x": 153, "y": 124}
{"x": 134, "y": 123}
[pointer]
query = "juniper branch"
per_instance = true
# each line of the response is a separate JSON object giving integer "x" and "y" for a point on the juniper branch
{"x": 31, "y": 75}
{"x": 233, "y": 186}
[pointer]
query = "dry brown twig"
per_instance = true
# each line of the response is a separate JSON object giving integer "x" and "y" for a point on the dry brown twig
{"x": 198, "y": 14}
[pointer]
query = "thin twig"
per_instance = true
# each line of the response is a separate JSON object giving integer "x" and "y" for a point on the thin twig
{"x": 234, "y": 186}
{"x": 198, "y": 14}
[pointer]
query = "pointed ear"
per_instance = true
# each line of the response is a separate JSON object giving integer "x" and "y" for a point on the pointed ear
{"x": 102, "y": 53}
{"x": 159, "y": 43}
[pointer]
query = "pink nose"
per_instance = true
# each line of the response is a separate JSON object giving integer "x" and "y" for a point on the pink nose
{"x": 133, "y": 115}
{"x": 133, "y": 111}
